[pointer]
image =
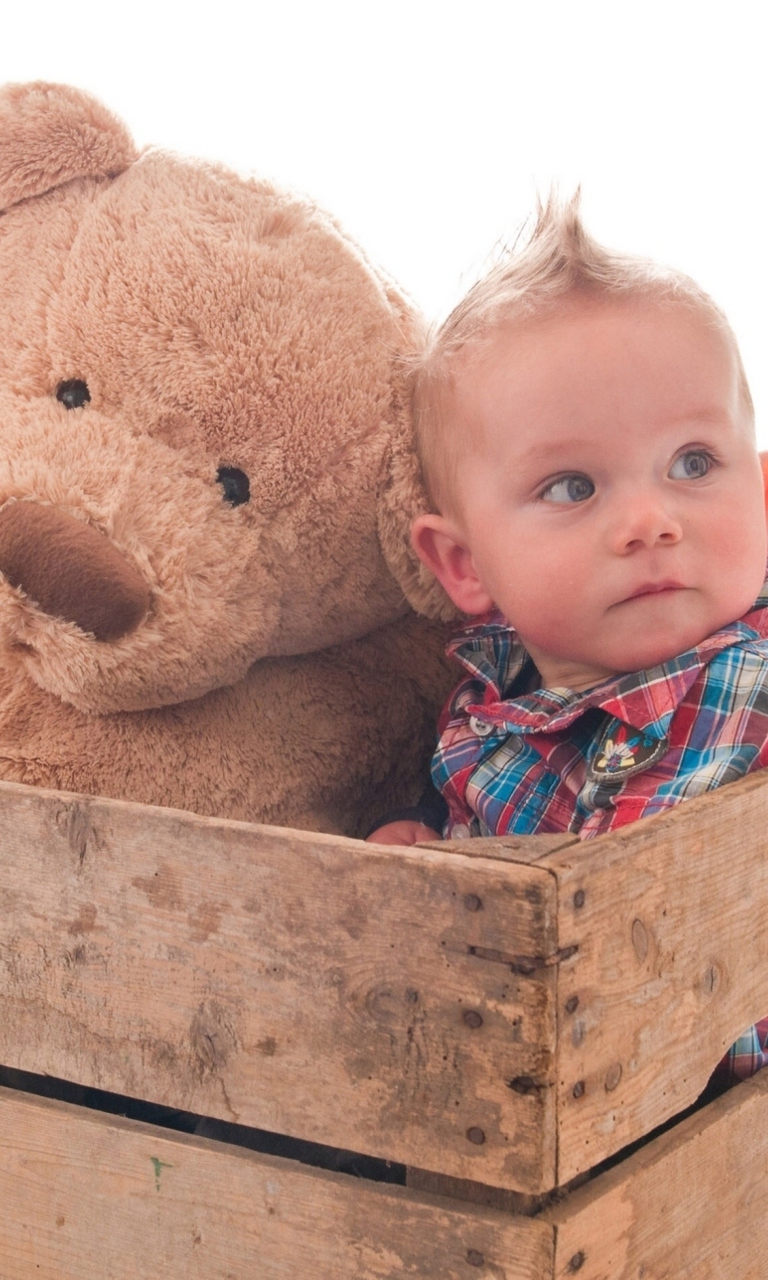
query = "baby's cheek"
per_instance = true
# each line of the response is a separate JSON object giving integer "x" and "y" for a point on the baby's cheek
{"x": 549, "y": 596}
{"x": 555, "y": 630}
{"x": 742, "y": 538}
{"x": 735, "y": 561}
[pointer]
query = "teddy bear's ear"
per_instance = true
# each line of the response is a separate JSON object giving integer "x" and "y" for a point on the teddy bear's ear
{"x": 402, "y": 499}
{"x": 50, "y": 134}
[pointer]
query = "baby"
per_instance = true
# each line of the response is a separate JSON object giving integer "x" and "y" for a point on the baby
{"x": 587, "y": 437}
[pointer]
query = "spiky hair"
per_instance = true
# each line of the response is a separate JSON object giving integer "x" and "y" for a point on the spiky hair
{"x": 552, "y": 265}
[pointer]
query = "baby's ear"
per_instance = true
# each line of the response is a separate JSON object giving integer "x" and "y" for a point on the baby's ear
{"x": 440, "y": 544}
{"x": 51, "y": 134}
{"x": 402, "y": 500}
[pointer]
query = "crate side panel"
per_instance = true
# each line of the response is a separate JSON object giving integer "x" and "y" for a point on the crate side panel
{"x": 388, "y": 1001}
{"x": 90, "y": 1198}
{"x": 507, "y": 848}
{"x": 693, "y": 1203}
{"x": 670, "y": 918}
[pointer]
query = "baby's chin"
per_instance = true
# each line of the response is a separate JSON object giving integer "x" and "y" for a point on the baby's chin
{"x": 661, "y": 627}
{"x": 658, "y": 654}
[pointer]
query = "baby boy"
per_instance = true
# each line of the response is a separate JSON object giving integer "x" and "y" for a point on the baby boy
{"x": 587, "y": 437}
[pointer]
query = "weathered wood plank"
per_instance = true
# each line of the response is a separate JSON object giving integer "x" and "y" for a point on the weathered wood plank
{"x": 670, "y": 921}
{"x": 462, "y": 1189}
{"x": 692, "y": 1205}
{"x": 87, "y": 1197}
{"x": 506, "y": 848}
{"x": 392, "y": 1001}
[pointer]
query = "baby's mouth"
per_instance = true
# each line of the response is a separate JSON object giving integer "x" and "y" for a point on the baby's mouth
{"x": 654, "y": 589}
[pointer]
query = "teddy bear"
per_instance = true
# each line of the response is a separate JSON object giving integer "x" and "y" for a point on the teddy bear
{"x": 207, "y": 477}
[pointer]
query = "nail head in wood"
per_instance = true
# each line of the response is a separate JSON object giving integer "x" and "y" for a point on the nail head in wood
{"x": 475, "y": 1258}
{"x": 578, "y": 1089}
{"x": 571, "y": 1004}
{"x": 524, "y": 1085}
{"x": 640, "y": 939}
{"x": 473, "y": 1019}
{"x": 612, "y": 1077}
{"x": 577, "y": 1261}
{"x": 579, "y": 898}
{"x": 476, "y": 1135}
{"x": 472, "y": 902}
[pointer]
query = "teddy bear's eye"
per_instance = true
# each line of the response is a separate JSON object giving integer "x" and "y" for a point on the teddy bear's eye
{"x": 236, "y": 485}
{"x": 73, "y": 394}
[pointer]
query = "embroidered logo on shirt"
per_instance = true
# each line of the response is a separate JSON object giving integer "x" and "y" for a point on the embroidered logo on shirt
{"x": 622, "y": 751}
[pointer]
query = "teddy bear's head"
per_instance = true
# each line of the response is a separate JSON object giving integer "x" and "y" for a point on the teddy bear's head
{"x": 206, "y": 455}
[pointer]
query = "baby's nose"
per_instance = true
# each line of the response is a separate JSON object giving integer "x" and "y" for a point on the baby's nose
{"x": 645, "y": 520}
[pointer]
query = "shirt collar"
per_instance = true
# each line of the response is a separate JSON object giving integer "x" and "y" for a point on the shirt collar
{"x": 491, "y": 652}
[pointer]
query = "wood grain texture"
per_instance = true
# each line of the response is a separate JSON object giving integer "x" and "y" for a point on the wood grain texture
{"x": 692, "y": 1205}
{"x": 462, "y": 1189}
{"x": 396, "y": 1002}
{"x": 506, "y": 848}
{"x": 86, "y": 1197}
{"x": 669, "y": 919}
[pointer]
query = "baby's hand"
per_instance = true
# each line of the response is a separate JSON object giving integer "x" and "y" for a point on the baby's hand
{"x": 406, "y": 831}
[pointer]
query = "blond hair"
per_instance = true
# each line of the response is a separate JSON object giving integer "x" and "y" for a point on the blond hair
{"x": 558, "y": 263}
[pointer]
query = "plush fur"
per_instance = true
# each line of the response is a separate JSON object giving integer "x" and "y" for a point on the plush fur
{"x": 174, "y": 339}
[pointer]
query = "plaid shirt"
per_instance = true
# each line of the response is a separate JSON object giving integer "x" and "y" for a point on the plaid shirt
{"x": 516, "y": 762}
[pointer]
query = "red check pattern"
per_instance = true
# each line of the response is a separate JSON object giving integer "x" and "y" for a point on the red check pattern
{"x": 516, "y": 762}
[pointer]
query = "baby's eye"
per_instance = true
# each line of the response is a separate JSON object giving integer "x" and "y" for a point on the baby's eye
{"x": 691, "y": 465}
{"x": 569, "y": 489}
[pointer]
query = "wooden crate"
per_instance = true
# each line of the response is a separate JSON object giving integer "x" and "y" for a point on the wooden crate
{"x": 499, "y": 1016}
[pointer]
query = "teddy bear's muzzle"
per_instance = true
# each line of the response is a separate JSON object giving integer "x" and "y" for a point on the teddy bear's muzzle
{"x": 70, "y": 570}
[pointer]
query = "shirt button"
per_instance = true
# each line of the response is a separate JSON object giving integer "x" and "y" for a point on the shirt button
{"x": 480, "y": 727}
{"x": 460, "y": 831}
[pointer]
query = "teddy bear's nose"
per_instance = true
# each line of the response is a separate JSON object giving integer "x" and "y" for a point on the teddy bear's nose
{"x": 70, "y": 570}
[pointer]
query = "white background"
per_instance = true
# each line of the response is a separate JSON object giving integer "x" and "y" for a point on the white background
{"x": 427, "y": 127}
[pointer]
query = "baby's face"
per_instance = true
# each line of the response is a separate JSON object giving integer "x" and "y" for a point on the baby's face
{"x": 609, "y": 490}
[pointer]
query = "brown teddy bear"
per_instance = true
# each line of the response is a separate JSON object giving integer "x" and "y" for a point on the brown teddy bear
{"x": 206, "y": 479}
